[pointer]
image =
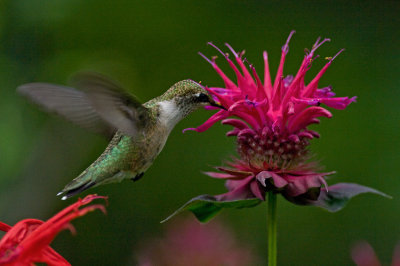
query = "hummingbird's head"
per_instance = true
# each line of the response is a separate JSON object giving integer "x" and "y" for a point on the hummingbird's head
{"x": 189, "y": 96}
{"x": 183, "y": 98}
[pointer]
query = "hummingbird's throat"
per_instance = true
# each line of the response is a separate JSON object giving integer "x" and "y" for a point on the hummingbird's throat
{"x": 170, "y": 113}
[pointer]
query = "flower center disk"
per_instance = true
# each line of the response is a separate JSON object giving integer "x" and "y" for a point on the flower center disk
{"x": 271, "y": 150}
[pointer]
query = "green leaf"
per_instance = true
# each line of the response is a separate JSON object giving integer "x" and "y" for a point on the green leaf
{"x": 335, "y": 197}
{"x": 205, "y": 207}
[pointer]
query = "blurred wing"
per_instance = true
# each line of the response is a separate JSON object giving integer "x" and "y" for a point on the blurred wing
{"x": 119, "y": 108}
{"x": 68, "y": 102}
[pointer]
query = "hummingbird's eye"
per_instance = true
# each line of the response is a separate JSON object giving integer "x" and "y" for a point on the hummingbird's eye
{"x": 202, "y": 97}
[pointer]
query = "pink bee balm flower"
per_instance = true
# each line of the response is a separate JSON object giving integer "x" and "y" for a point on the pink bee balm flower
{"x": 27, "y": 242}
{"x": 271, "y": 126}
{"x": 270, "y": 121}
{"x": 188, "y": 242}
{"x": 364, "y": 255}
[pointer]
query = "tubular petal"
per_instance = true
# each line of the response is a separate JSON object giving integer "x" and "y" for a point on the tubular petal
{"x": 4, "y": 227}
{"x": 235, "y": 122}
{"x": 233, "y": 132}
{"x": 211, "y": 121}
{"x": 247, "y": 132}
{"x": 228, "y": 83}
{"x": 220, "y": 175}
{"x": 285, "y": 47}
{"x": 304, "y": 118}
{"x": 267, "y": 77}
{"x": 234, "y": 172}
{"x": 339, "y": 102}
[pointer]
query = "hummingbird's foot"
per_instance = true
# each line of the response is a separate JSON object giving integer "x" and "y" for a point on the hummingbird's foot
{"x": 137, "y": 177}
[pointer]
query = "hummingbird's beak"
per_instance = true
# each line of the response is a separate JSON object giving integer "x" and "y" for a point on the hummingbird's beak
{"x": 213, "y": 103}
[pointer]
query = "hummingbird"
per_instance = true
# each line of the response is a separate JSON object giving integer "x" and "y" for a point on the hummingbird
{"x": 138, "y": 132}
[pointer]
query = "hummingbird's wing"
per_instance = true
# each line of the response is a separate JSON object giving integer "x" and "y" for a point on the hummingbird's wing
{"x": 115, "y": 105}
{"x": 68, "y": 102}
{"x": 99, "y": 105}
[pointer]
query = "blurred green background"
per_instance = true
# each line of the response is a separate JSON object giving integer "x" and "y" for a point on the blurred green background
{"x": 148, "y": 46}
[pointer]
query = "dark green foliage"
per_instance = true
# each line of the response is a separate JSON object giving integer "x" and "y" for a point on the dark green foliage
{"x": 338, "y": 195}
{"x": 205, "y": 207}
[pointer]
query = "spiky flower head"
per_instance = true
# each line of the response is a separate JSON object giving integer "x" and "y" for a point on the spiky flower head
{"x": 270, "y": 123}
{"x": 271, "y": 120}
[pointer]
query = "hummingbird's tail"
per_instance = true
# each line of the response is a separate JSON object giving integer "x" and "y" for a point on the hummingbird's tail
{"x": 90, "y": 178}
{"x": 73, "y": 188}
{"x": 77, "y": 185}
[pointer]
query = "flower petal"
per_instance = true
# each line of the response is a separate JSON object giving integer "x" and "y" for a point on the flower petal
{"x": 235, "y": 122}
{"x": 304, "y": 118}
{"x": 51, "y": 257}
{"x": 17, "y": 233}
{"x": 4, "y": 227}
{"x": 301, "y": 184}
{"x": 220, "y": 115}
{"x": 221, "y": 175}
{"x": 338, "y": 102}
{"x": 257, "y": 190}
{"x": 235, "y": 172}
{"x": 277, "y": 180}
{"x": 238, "y": 190}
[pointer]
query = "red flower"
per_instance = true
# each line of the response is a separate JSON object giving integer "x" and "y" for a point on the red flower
{"x": 27, "y": 242}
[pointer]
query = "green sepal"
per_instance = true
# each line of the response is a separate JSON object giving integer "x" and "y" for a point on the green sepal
{"x": 205, "y": 207}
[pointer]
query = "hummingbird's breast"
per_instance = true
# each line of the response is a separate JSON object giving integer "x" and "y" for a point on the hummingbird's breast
{"x": 136, "y": 154}
{"x": 149, "y": 147}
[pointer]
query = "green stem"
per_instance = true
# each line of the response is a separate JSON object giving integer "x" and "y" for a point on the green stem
{"x": 272, "y": 229}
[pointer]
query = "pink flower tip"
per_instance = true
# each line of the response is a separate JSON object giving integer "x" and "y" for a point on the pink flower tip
{"x": 232, "y": 50}
{"x": 265, "y": 55}
{"x": 206, "y": 58}
{"x": 190, "y": 128}
{"x": 285, "y": 47}
{"x": 318, "y": 44}
{"x": 219, "y": 50}
{"x": 333, "y": 58}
